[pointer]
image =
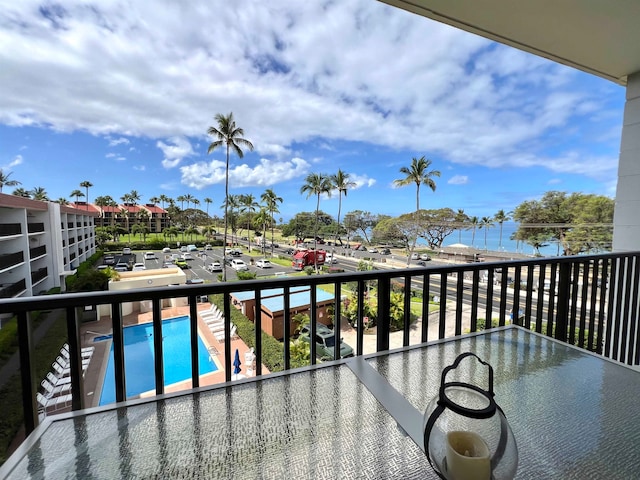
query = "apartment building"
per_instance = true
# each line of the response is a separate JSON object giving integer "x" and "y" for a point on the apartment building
{"x": 41, "y": 243}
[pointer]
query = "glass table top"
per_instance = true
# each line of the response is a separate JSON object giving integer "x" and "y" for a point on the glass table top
{"x": 573, "y": 415}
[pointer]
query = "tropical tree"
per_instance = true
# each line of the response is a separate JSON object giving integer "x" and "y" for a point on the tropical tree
{"x": 418, "y": 172}
{"x": 189, "y": 199}
{"x": 21, "y": 192}
{"x": 474, "y": 221}
{"x": 181, "y": 199}
{"x": 140, "y": 229}
{"x": 271, "y": 200}
{"x": 195, "y": 202}
{"x": 6, "y": 181}
{"x": 261, "y": 220}
{"x": 134, "y": 196}
{"x": 461, "y": 219}
{"x": 208, "y": 201}
{"x": 485, "y": 223}
{"x": 77, "y": 194}
{"x": 163, "y": 199}
{"x": 248, "y": 205}
{"x": 340, "y": 182}
{"x": 316, "y": 184}
{"x": 154, "y": 200}
{"x": 86, "y": 185}
{"x": 230, "y": 135}
{"x": 62, "y": 201}
{"x": 39, "y": 193}
{"x": 501, "y": 217}
{"x": 170, "y": 232}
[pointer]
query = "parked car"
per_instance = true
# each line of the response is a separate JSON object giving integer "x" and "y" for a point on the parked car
{"x": 415, "y": 256}
{"x": 372, "y": 250}
{"x": 150, "y": 256}
{"x": 187, "y": 256}
{"x": 183, "y": 248}
{"x": 126, "y": 251}
{"x": 166, "y": 250}
{"x": 214, "y": 267}
{"x": 208, "y": 247}
{"x": 192, "y": 248}
{"x": 325, "y": 342}
{"x": 109, "y": 260}
{"x": 121, "y": 267}
{"x": 102, "y": 267}
{"x": 239, "y": 265}
{"x": 263, "y": 263}
{"x": 385, "y": 251}
{"x": 138, "y": 266}
{"x": 425, "y": 257}
{"x": 330, "y": 258}
{"x": 182, "y": 264}
{"x": 195, "y": 281}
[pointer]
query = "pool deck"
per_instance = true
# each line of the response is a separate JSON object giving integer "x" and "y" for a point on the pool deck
{"x": 94, "y": 376}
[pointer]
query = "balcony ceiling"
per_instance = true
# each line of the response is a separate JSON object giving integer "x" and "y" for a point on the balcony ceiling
{"x": 601, "y": 37}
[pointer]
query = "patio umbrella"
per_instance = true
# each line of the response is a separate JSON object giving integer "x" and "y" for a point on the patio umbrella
{"x": 236, "y": 363}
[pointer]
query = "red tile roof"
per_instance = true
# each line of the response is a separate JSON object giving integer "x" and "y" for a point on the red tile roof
{"x": 153, "y": 208}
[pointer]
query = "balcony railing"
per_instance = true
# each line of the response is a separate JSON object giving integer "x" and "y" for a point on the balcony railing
{"x": 37, "y": 251}
{"x": 8, "y": 229}
{"x": 8, "y": 290}
{"x": 587, "y": 301}
{"x": 10, "y": 259}
{"x": 35, "y": 227}
{"x": 38, "y": 275}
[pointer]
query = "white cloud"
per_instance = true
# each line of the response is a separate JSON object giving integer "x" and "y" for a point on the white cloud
{"x": 114, "y": 142}
{"x": 121, "y": 159}
{"x": 17, "y": 160}
{"x": 361, "y": 180}
{"x": 110, "y": 155}
{"x": 554, "y": 181}
{"x": 458, "y": 180}
{"x": 175, "y": 151}
{"x": 265, "y": 173}
{"x": 139, "y": 168}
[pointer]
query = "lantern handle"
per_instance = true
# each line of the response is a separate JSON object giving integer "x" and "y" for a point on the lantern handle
{"x": 455, "y": 364}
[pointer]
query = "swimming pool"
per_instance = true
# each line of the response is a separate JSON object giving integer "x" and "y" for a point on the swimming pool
{"x": 139, "y": 358}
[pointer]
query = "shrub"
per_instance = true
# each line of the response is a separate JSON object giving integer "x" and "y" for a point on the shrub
{"x": 246, "y": 275}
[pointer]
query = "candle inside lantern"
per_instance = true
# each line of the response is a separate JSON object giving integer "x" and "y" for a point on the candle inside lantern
{"x": 468, "y": 457}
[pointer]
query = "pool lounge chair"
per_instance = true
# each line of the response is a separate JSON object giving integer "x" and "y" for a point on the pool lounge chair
{"x": 53, "y": 403}
{"x": 217, "y": 321}
{"x": 84, "y": 350}
{"x": 217, "y": 328}
{"x": 206, "y": 316}
{"x": 55, "y": 381}
{"x": 220, "y": 335}
{"x": 54, "y": 391}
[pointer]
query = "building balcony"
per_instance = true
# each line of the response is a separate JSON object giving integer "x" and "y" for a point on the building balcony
{"x": 559, "y": 333}
{"x": 35, "y": 227}
{"x": 37, "y": 252}
{"x": 10, "y": 229}
{"x": 10, "y": 290}
{"x": 9, "y": 260}
{"x": 38, "y": 275}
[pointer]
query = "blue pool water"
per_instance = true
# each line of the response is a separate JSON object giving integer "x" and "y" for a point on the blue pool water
{"x": 139, "y": 358}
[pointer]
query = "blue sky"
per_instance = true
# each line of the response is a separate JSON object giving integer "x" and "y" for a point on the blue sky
{"x": 122, "y": 94}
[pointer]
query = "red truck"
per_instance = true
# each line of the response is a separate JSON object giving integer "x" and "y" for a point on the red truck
{"x": 308, "y": 258}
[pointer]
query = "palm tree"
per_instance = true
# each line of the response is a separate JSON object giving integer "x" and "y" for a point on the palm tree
{"x": 5, "y": 181}
{"x": 62, "y": 201}
{"x": 39, "y": 193}
{"x": 316, "y": 184}
{"x": 87, "y": 184}
{"x": 195, "y": 202}
{"x": 77, "y": 194}
{"x": 417, "y": 173}
{"x": 208, "y": 201}
{"x": 233, "y": 206}
{"x": 501, "y": 217}
{"x": 230, "y": 135}
{"x": 163, "y": 199}
{"x": 248, "y": 205}
{"x": 261, "y": 219}
{"x": 474, "y": 224}
{"x": 181, "y": 199}
{"x": 21, "y": 192}
{"x": 461, "y": 219}
{"x": 340, "y": 181}
{"x": 188, "y": 198}
{"x": 486, "y": 224}
{"x": 271, "y": 201}
{"x": 134, "y": 196}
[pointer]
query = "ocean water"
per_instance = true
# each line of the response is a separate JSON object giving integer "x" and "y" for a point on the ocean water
{"x": 493, "y": 242}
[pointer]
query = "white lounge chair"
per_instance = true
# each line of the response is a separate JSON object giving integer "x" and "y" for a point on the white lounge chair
{"x": 218, "y": 321}
{"x": 64, "y": 353}
{"x": 208, "y": 316}
{"x": 86, "y": 352}
{"x": 54, "y": 391}
{"x": 220, "y": 335}
{"x": 83, "y": 349}
{"x": 53, "y": 403}
{"x": 216, "y": 328}
{"x": 55, "y": 381}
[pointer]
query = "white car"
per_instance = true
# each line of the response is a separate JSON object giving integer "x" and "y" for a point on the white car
{"x": 166, "y": 250}
{"x": 138, "y": 266}
{"x": 425, "y": 257}
{"x": 330, "y": 258}
{"x": 373, "y": 250}
{"x": 264, "y": 263}
{"x": 126, "y": 251}
{"x": 239, "y": 265}
{"x": 415, "y": 256}
{"x": 187, "y": 256}
{"x": 150, "y": 256}
{"x": 214, "y": 267}
{"x": 208, "y": 247}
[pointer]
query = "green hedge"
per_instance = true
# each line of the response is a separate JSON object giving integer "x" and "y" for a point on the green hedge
{"x": 157, "y": 244}
{"x": 272, "y": 349}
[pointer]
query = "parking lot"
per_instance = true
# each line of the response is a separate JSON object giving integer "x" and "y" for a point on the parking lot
{"x": 197, "y": 266}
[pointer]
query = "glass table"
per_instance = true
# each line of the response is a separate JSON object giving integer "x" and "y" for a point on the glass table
{"x": 573, "y": 415}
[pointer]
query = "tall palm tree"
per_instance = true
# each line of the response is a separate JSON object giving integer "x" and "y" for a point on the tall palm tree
{"x": 419, "y": 174}
{"x": 189, "y": 199}
{"x": 21, "y": 192}
{"x": 134, "y": 196}
{"x": 474, "y": 221}
{"x": 501, "y": 217}
{"x": 231, "y": 136}
{"x": 461, "y": 219}
{"x": 154, "y": 200}
{"x": 195, "y": 202}
{"x": 233, "y": 206}
{"x": 485, "y": 223}
{"x": 208, "y": 201}
{"x": 5, "y": 181}
{"x": 248, "y": 205}
{"x": 181, "y": 199}
{"x": 316, "y": 184}
{"x": 271, "y": 200}
{"x": 77, "y": 194}
{"x": 261, "y": 220}
{"x": 62, "y": 201}
{"x": 86, "y": 185}
{"x": 163, "y": 199}
{"x": 340, "y": 181}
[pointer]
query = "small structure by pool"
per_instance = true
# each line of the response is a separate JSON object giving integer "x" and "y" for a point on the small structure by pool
{"x": 272, "y": 306}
